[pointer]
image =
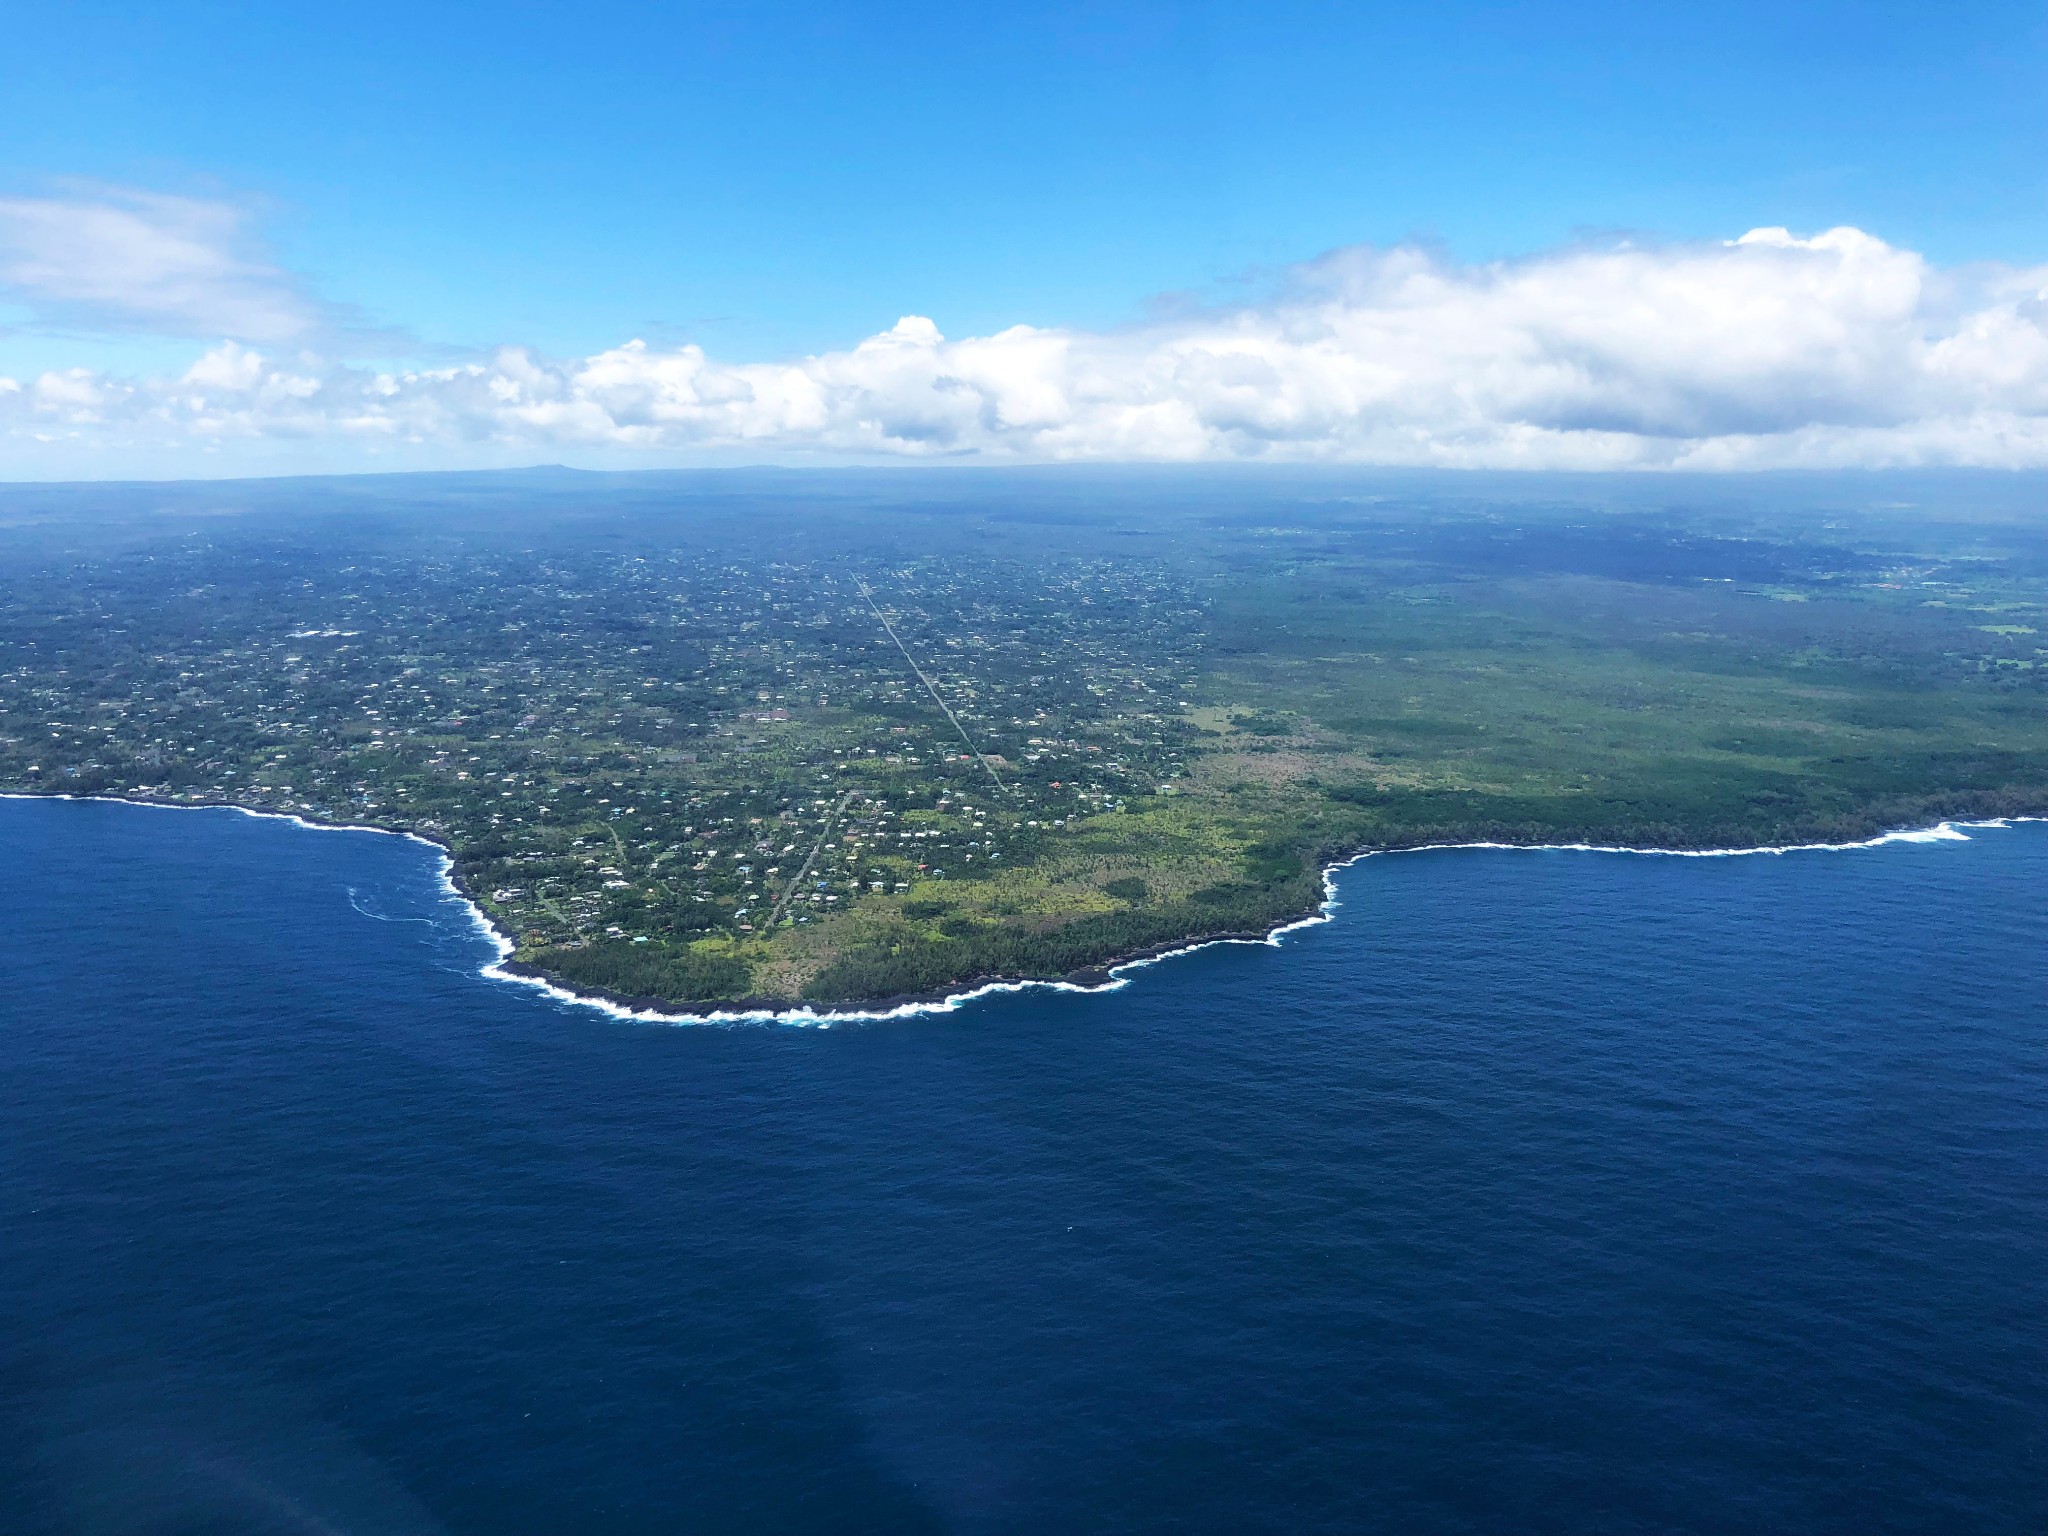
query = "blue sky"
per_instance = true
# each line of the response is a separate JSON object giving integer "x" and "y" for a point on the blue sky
{"x": 774, "y": 181}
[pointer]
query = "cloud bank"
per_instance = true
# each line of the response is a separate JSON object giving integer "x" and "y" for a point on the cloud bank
{"x": 1766, "y": 351}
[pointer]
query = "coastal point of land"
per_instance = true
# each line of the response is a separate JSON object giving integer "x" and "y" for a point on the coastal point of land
{"x": 741, "y": 746}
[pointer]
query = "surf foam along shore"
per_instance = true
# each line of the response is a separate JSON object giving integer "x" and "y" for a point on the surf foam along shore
{"x": 1117, "y": 974}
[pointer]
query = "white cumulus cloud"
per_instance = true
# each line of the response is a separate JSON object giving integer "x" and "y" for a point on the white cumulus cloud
{"x": 1765, "y": 351}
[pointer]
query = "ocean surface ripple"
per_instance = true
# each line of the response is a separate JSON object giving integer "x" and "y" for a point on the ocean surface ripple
{"x": 1540, "y": 1192}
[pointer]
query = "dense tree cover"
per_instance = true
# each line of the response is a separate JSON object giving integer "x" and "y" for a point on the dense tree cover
{"x": 1768, "y": 818}
{"x": 641, "y": 972}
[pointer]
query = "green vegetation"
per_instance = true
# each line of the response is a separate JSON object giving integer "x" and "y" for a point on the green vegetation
{"x": 840, "y": 750}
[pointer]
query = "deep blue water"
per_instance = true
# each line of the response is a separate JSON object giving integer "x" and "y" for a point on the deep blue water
{"x": 1540, "y": 1192}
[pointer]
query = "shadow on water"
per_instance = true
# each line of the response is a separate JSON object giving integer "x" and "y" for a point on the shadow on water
{"x": 126, "y": 1446}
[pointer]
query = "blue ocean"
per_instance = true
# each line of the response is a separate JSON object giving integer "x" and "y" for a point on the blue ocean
{"x": 1539, "y": 1192}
